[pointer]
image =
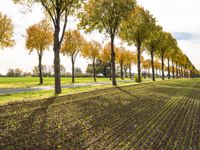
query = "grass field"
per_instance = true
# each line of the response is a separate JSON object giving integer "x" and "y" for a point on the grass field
{"x": 27, "y": 82}
{"x": 24, "y": 82}
{"x": 160, "y": 115}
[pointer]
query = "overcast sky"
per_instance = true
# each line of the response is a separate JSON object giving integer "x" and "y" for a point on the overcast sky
{"x": 180, "y": 17}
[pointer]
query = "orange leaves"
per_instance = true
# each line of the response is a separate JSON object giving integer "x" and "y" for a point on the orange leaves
{"x": 146, "y": 64}
{"x": 125, "y": 57}
{"x": 39, "y": 36}
{"x": 120, "y": 55}
{"x": 105, "y": 55}
{"x": 6, "y": 32}
{"x": 91, "y": 50}
{"x": 73, "y": 43}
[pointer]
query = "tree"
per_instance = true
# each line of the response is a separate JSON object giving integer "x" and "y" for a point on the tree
{"x": 130, "y": 59}
{"x": 106, "y": 15}
{"x": 101, "y": 68}
{"x": 18, "y": 72}
{"x": 136, "y": 29}
{"x": 173, "y": 59}
{"x": 77, "y": 70}
{"x": 91, "y": 51}
{"x": 10, "y": 73}
{"x": 146, "y": 64}
{"x": 6, "y": 32}
{"x": 105, "y": 57}
{"x": 152, "y": 44}
{"x": 164, "y": 47}
{"x": 120, "y": 58}
{"x": 178, "y": 59}
{"x": 182, "y": 63}
{"x": 58, "y": 11}
{"x": 14, "y": 72}
{"x": 172, "y": 44}
{"x": 39, "y": 37}
{"x": 46, "y": 71}
{"x": 157, "y": 65}
{"x": 72, "y": 45}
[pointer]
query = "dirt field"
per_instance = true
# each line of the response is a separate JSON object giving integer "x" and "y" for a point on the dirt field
{"x": 160, "y": 115}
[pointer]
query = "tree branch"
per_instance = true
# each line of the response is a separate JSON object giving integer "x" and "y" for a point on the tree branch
{"x": 64, "y": 27}
{"x": 49, "y": 12}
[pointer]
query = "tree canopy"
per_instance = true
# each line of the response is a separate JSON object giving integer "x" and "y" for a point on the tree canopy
{"x": 39, "y": 37}
{"x": 6, "y": 32}
{"x": 106, "y": 16}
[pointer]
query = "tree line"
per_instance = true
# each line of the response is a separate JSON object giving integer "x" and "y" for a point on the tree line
{"x": 115, "y": 18}
{"x": 47, "y": 71}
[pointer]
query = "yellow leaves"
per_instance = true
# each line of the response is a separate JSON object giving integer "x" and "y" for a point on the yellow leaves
{"x": 6, "y": 32}
{"x": 157, "y": 64}
{"x": 73, "y": 43}
{"x": 125, "y": 57}
{"x": 146, "y": 64}
{"x": 91, "y": 50}
{"x": 104, "y": 15}
{"x": 105, "y": 55}
{"x": 137, "y": 27}
{"x": 39, "y": 36}
{"x": 131, "y": 58}
{"x": 120, "y": 54}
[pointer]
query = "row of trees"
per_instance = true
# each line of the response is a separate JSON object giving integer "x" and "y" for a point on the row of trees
{"x": 47, "y": 71}
{"x": 119, "y": 18}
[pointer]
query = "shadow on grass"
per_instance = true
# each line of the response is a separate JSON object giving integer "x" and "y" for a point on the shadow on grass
{"x": 26, "y": 134}
{"x": 37, "y": 130}
{"x": 94, "y": 122}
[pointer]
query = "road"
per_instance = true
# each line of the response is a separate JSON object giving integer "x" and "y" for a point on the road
{"x": 39, "y": 88}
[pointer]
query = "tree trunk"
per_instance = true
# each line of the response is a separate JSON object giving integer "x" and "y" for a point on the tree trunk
{"x": 176, "y": 71}
{"x": 113, "y": 61}
{"x": 168, "y": 69}
{"x": 139, "y": 62}
{"x": 104, "y": 70}
{"x": 130, "y": 72}
{"x": 156, "y": 72}
{"x": 181, "y": 72}
{"x": 56, "y": 49}
{"x": 125, "y": 71}
{"x": 73, "y": 74}
{"x": 40, "y": 69}
{"x": 121, "y": 70}
{"x": 94, "y": 70}
{"x": 110, "y": 76}
{"x": 163, "y": 74}
{"x": 173, "y": 69}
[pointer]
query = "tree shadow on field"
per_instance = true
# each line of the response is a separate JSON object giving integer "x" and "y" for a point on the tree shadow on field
{"x": 125, "y": 91}
{"x": 31, "y": 130}
{"x": 112, "y": 117}
{"x": 45, "y": 126}
{"x": 93, "y": 121}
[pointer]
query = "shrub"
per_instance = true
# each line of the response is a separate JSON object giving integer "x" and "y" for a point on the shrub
{"x": 136, "y": 78}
